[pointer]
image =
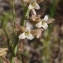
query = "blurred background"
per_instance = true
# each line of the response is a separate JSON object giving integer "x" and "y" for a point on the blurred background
{"x": 49, "y": 47}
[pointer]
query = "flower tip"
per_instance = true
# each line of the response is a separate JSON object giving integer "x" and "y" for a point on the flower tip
{"x": 37, "y": 6}
{"x": 39, "y": 1}
{"x": 22, "y": 36}
{"x": 45, "y": 18}
{"x": 30, "y": 7}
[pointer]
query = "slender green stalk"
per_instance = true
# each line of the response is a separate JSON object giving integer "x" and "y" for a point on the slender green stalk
{"x": 1, "y": 60}
{"x": 25, "y": 15}
{"x": 15, "y": 46}
{"x": 20, "y": 57}
{"x": 13, "y": 49}
{"x": 23, "y": 21}
{"x": 12, "y": 59}
{"x": 4, "y": 29}
{"x": 8, "y": 40}
{"x": 53, "y": 6}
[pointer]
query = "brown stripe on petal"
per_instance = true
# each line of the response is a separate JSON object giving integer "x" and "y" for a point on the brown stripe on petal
{"x": 28, "y": 1}
{"x": 21, "y": 45}
{"x": 37, "y": 32}
{"x": 33, "y": 12}
{"x": 17, "y": 60}
{"x": 25, "y": 1}
{"x": 19, "y": 28}
{"x": 3, "y": 48}
{"x": 38, "y": 1}
{"x": 4, "y": 60}
{"x": 34, "y": 22}
{"x": 35, "y": 19}
{"x": 50, "y": 20}
{"x": 3, "y": 51}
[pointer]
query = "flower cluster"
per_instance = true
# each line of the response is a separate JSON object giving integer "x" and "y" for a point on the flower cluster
{"x": 42, "y": 23}
{"x": 27, "y": 34}
{"x": 35, "y": 20}
{"x": 33, "y": 5}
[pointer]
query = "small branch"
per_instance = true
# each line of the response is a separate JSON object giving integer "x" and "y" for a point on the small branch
{"x": 8, "y": 40}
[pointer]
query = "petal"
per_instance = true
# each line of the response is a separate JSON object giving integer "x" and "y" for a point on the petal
{"x": 38, "y": 1}
{"x": 34, "y": 12}
{"x": 19, "y": 28}
{"x": 37, "y": 32}
{"x": 22, "y": 36}
{"x": 16, "y": 60}
{"x": 46, "y": 18}
{"x": 39, "y": 25}
{"x": 37, "y": 6}
{"x": 29, "y": 24}
{"x": 4, "y": 60}
{"x": 50, "y": 20}
{"x": 32, "y": 1}
{"x": 45, "y": 26}
{"x": 27, "y": 29}
{"x": 30, "y": 7}
{"x": 30, "y": 36}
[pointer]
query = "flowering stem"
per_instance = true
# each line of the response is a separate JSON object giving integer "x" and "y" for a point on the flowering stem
{"x": 25, "y": 15}
{"x": 14, "y": 42}
{"x": 12, "y": 59}
{"x": 23, "y": 21}
{"x": 8, "y": 40}
{"x": 14, "y": 50}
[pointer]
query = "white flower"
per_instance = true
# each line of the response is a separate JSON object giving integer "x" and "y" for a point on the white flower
{"x": 26, "y": 34}
{"x": 33, "y": 5}
{"x": 43, "y": 23}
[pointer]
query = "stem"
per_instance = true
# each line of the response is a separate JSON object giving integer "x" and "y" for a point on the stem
{"x": 23, "y": 21}
{"x": 12, "y": 59}
{"x": 6, "y": 35}
{"x": 9, "y": 46}
{"x": 25, "y": 15}
{"x": 14, "y": 50}
{"x": 15, "y": 46}
{"x": 4, "y": 29}
{"x": 20, "y": 57}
